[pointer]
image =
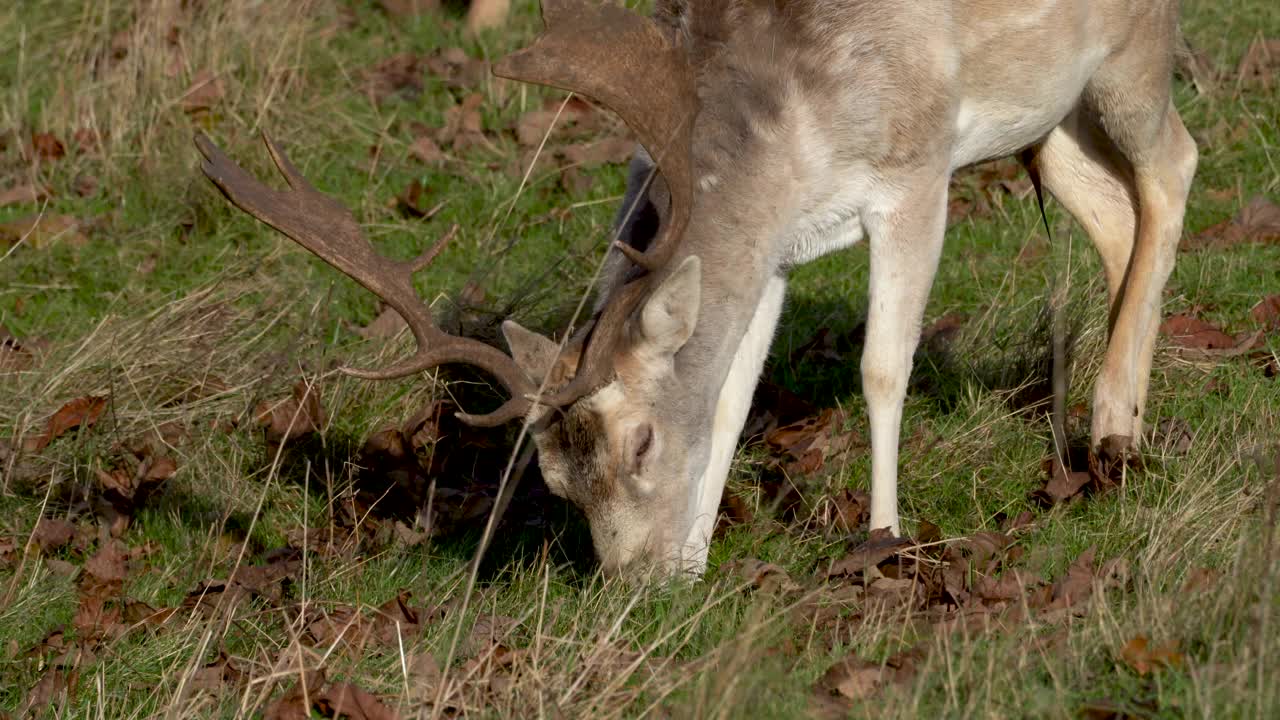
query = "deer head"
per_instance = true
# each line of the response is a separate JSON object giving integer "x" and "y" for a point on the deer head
{"x": 599, "y": 447}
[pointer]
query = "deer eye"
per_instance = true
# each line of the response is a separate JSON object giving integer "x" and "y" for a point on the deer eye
{"x": 642, "y": 442}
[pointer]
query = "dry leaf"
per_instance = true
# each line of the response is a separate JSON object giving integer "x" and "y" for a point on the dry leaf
{"x": 424, "y": 149}
{"x": 204, "y": 92}
{"x": 1192, "y": 332}
{"x": 1139, "y": 655}
{"x": 1257, "y": 222}
{"x": 1267, "y": 312}
{"x": 1259, "y": 63}
{"x": 28, "y": 193}
{"x": 609, "y": 150}
{"x": 47, "y": 146}
{"x": 387, "y": 325}
{"x": 296, "y": 416}
{"x": 81, "y": 412}
{"x": 41, "y": 230}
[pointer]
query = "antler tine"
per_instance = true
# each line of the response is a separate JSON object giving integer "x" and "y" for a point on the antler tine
{"x": 629, "y": 64}
{"x": 326, "y": 228}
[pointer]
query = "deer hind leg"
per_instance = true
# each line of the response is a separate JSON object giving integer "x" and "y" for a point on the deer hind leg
{"x": 1148, "y": 159}
{"x": 905, "y": 244}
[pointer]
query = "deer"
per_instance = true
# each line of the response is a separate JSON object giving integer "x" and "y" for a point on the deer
{"x": 772, "y": 132}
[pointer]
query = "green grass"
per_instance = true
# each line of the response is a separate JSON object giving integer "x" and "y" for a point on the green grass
{"x": 180, "y": 308}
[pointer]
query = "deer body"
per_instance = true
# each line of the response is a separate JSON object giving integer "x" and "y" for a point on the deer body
{"x": 797, "y": 156}
{"x": 811, "y": 125}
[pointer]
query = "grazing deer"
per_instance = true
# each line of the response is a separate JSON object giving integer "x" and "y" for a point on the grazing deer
{"x": 774, "y": 132}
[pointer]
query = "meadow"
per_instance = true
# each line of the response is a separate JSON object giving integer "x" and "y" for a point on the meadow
{"x": 201, "y": 517}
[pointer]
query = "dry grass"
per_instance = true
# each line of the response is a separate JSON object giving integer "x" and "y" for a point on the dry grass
{"x": 230, "y": 316}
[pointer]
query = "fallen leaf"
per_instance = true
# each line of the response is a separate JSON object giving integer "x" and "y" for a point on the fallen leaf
{"x": 294, "y": 417}
{"x": 17, "y": 355}
{"x": 52, "y": 683}
{"x": 940, "y": 332}
{"x": 1063, "y": 483}
{"x": 47, "y": 146}
{"x": 79, "y": 413}
{"x": 53, "y": 534}
{"x": 1076, "y": 585}
{"x": 456, "y": 69}
{"x": 204, "y": 92}
{"x": 1139, "y": 655}
{"x": 386, "y": 325}
{"x": 415, "y": 201}
{"x": 764, "y": 576}
{"x": 1267, "y": 312}
{"x": 879, "y": 547}
{"x": 402, "y": 73}
{"x": 85, "y": 185}
{"x": 1189, "y": 331}
{"x": 1259, "y": 63}
{"x": 41, "y": 230}
{"x": 609, "y": 150}
{"x": 1257, "y": 222}
{"x": 217, "y": 676}
{"x": 425, "y": 150}
{"x": 349, "y": 701}
{"x": 28, "y": 193}
{"x": 293, "y": 704}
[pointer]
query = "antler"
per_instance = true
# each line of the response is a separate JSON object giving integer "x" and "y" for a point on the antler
{"x": 629, "y": 64}
{"x": 323, "y": 226}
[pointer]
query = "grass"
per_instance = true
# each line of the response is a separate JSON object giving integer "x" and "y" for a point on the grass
{"x": 179, "y": 308}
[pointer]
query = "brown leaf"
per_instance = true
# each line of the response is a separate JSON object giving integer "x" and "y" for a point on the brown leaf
{"x": 425, "y": 150}
{"x": 293, "y": 704}
{"x": 204, "y": 92}
{"x": 1267, "y": 312}
{"x": 941, "y": 331}
{"x": 1139, "y": 655}
{"x": 1189, "y": 331}
{"x": 294, "y": 417}
{"x": 609, "y": 150}
{"x": 856, "y": 679}
{"x": 52, "y": 683}
{"x": 387, "y": 325}
{"x": 53, "y": 534}
{"x": 1062, "y": 485}
{"x": 456, "y": 69}
{"x": 79, "y": 413}
{"x": 1259, "y": 63}
{"x": 347, "y": 700}
{"x": 85, "y": 185}
{"x": 47, "y": 146}
{"x": 217, "y": 676}
{"x": 415, "y": 201}
{"x": 108, "y": 565}
{"x": 879, "y": 547}
{"x": 1076, "y": 585}
{"x": 764, "y": 576}
{"x": 1257, "y": 222}
{"x": 401, "y": 73}
{"x": 41, "y": 230}
{"x": 28, "y": 193}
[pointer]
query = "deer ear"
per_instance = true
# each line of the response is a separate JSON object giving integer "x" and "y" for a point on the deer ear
{"x": 533, "y": 353}
{"x": 669, "y": 315}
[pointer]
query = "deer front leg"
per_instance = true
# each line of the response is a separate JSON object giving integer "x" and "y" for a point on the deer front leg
{"x": 905, "y": 243}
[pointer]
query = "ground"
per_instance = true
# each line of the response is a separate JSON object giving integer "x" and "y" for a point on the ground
{"x": 200, "y": 517}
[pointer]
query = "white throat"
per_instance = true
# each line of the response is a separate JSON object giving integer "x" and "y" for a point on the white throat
{"x": 731, "y": 414}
